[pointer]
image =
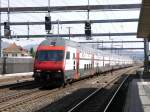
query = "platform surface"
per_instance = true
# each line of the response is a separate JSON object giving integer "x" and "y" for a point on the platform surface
{"x": 2, "y": 76}
{"x": 138, "y": 97}
{"x": 6, "y": 79}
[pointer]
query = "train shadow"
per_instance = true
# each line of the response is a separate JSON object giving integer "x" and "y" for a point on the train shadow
{"x": 34, "y": 85}
{"x": 71, "y": 99}
{"x": 63, "y": 104}
{"x": 24, "y": 85}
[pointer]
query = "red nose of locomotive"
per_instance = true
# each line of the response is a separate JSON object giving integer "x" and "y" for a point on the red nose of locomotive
{"x": 49, "y": 58}
{"x": 48, "y": 65}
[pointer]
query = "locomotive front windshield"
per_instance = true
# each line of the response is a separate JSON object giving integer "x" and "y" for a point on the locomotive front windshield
{"x": 53, "y": 55}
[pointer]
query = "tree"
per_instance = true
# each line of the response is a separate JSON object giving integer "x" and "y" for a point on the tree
{"x": 32, "y": 52}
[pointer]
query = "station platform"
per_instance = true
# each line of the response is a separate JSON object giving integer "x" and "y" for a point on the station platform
{"x": 6, "y": 79}
{"x": 2, "y": 76}
{"x": 138, "y": 96}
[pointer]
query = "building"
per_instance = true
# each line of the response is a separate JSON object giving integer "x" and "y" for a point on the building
{"x": 15, "y": 51}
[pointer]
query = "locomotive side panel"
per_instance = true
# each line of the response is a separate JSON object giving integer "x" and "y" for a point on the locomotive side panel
{"x": 70, "y": 63}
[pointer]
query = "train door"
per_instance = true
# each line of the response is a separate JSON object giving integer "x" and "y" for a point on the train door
{"x": 77, "y": 75}
{"x": 92, "y": 62}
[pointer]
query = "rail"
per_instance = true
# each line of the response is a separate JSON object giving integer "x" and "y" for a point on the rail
{"x": 73, "y": 109}
{"x": 111, "y": 100}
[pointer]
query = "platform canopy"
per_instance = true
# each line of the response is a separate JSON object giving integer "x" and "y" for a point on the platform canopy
{"x": 144, "y": 21}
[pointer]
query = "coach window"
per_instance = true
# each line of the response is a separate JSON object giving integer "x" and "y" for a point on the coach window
{"x": 74, "y": 67}
{"x": 73, "y": 55}
{"x": 84, "y": 66}
{"x": 68, "y": 55}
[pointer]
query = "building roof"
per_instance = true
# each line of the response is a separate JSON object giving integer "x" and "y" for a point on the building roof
{"x": 13, "y": 48}
{"x": 144, "y": 21}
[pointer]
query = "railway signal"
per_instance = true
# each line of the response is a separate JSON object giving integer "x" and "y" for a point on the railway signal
{"x": 7, "y": 31}
{"x": 48, "y": 25}
{"x": 88, "y": 30}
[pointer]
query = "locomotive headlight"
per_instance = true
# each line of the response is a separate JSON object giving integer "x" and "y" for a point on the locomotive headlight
{"x": 59, "y": 70}
{"x": 38, "y": 70}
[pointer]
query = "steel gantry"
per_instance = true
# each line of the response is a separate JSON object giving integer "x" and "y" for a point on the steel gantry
{"x": 72, "y": 8}
{"x": 141, "y": 48}
{"x": 74, "y": 35}
{"x": 113, "y": 42}
{"x": 83, "y": 8}
{"x": 74, "y": 22}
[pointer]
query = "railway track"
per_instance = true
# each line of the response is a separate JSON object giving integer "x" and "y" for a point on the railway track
{"x": 9, "y": 80}
{"x": 72, "y": 99}
{"x": 92, "y": 102}
{"x": 111, "y": 100}
{"x": 11, "y": 105}
{"x": 13, "y": 91}
{"x": 5, "y": 88}
{"x": 38, "y": 100}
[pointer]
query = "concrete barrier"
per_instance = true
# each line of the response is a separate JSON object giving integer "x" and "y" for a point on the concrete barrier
{"x": 16, "y": 65}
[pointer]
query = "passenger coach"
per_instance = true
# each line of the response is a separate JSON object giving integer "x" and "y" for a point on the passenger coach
{"x": 63, "y": 60}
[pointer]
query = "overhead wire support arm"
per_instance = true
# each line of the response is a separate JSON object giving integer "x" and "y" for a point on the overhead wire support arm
{"x": 74, "y": 22}
{"x": 49, "y": 7}
{"x": 140, "y": 48}
{"x": 72, "y": 8}
{"x": 113, "y": 42}
{"x": 88, "y": 24}
{"x": 77, "y": 35}
{"x": 48, "y": 20}
{"x": 88, "y": 11}
{"x": 8, "y": 13}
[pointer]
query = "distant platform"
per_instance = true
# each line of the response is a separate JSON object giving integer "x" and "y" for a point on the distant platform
{"x": 6, "y": 79}
{"x": 138, "y": 97}
{"x": 15, "y": 74}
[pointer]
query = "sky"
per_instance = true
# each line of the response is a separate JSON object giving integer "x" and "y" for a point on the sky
{"x": 94, "y": 15}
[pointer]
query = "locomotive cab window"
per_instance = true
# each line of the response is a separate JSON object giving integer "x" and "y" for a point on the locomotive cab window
{"x": 53, "y": 43}
{"x": 68, "y": 55}
{"x": 50, "y": 55}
